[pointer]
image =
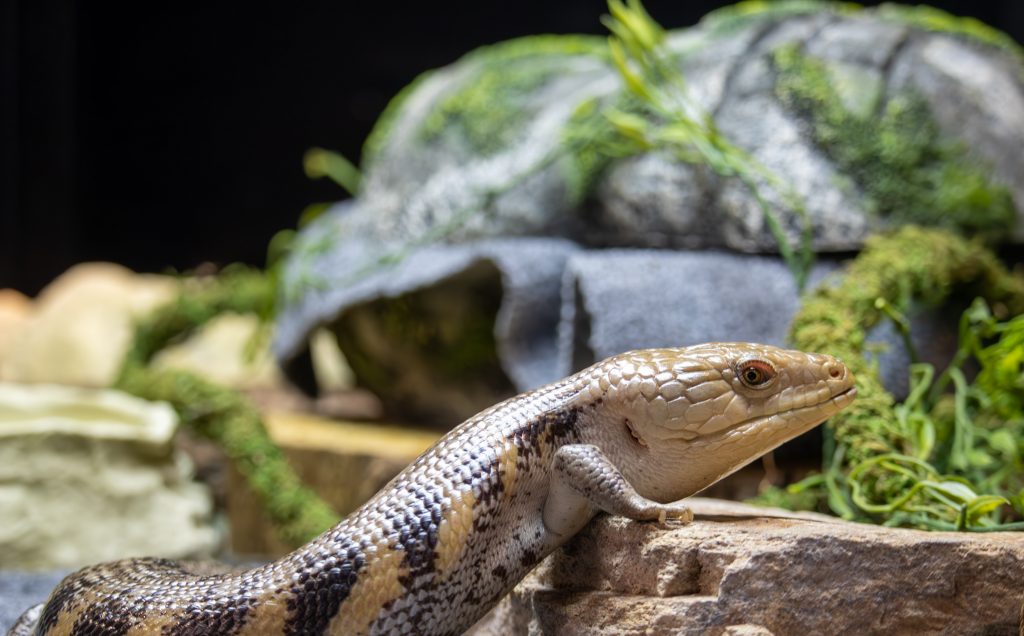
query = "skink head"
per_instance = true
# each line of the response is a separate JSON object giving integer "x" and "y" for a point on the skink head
{"x": 718, "y": 406}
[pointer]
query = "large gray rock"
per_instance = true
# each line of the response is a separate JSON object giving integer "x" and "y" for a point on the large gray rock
{"x": 468, "y": 180}
{"x": 431, "y": 177}
{"x": 736, "y": 571}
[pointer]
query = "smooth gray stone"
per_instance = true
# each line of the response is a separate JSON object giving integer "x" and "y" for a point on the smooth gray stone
{"x": 530, "y": 278}
{"x": 21, "y": 590}
{"x": 617, "y": 300}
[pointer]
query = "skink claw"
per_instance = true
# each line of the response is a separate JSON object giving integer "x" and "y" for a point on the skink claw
{"x": 674, "y": 515}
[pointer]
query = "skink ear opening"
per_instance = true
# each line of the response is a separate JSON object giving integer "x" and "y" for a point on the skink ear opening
{"x": 634, "y": 433}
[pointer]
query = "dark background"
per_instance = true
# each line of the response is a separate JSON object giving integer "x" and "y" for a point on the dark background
{"x": 168, "y": 134}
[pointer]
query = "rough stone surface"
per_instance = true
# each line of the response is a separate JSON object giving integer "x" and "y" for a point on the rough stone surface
{"x": 982, "y": 100}
{"x": 89, "y": 475}
{"x": 735, "y": 571}
{"x": 422, "y": 186}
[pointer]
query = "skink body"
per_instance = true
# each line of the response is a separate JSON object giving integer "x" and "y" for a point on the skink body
{"x": 457, "y": 529}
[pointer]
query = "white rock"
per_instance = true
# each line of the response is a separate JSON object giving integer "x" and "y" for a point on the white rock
{"x": 89, "y": 475}
{"x": 220, "y": 351}
{"x": 15, "y": 311}
{"x": 83, "y": 324}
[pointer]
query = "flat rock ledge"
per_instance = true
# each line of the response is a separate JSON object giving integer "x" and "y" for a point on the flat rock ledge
{"x": 736, "y": 571}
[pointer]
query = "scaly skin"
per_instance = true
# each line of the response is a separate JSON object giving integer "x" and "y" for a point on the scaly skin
{"x": 456, "y": 530}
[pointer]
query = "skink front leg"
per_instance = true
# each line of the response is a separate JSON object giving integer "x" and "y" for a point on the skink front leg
{"x": 584, "y": 482}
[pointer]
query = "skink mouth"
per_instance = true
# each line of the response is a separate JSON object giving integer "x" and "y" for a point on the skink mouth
{"x": 832, "y": 404}
{"x": 843, "y": 399}
{"x": 828, "y": 407}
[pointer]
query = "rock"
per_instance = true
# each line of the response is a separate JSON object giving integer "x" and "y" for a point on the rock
{"x": 329, "y": 365}
{"x": 442, "y": 332}
{"x": 471, "y": 199}
{"x": 82, "y": 325}
{"x": 21, "y": 590}
{"x": 345, "y": 463}
{"x": 743, "y": 573}
{"x": 982, "y": 101}
{"x": 478, "y": 149}
{"x": 93, "y": 476}
{"x": 456, "y": 329}
{"x": 15, "y": 312}
{"x": 676, "y": 299}
{"x": 220, "y": 351}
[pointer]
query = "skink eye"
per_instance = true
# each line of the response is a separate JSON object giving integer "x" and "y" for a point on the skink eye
{"x": 756, "y": 374}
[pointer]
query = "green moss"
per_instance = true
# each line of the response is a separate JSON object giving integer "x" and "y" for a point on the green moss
{"x": 229, "y": 419}
{"x": 221, "y": 414}
{"x": 932, "y": 19}
{"x": 912, "y": 264}
{"x": 446, "y": 331}
{"x": 489, "y": 108}
{"x": 236, "y": 289}
{"x": 742, "y": 14}
{"x": 592, "y": 143}
{"x": 375, "y": 141}
{"x": 907, "y": 171}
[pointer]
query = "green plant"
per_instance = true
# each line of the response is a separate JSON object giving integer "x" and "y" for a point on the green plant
{"x": 939, "y": 460}
{"x": 655, "y": 112}
{"x": 489, "y": 106}
{"x": 319, "y": 163}
{"x": 907, "y": 171}
{"x": 219, "y": 413}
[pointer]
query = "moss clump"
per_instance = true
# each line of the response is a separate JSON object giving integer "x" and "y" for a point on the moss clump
{"x": 375, "y": 141}
{"x": 490, "y": 107}
{"x": 874, "y": 435}
{"x": 739, "y": 15}
{"x": 592, "y": 142}
{"x": 221, "y": 414}
{"x": 440, "y": 339}
{"x": 932, "y": 19}
{"x": 906, "y": 170}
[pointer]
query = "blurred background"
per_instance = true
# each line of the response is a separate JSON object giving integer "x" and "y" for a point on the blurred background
{"x": 168, "y": 135}
{"x": 160, "y": 138}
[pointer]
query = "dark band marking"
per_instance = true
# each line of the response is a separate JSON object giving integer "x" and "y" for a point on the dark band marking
{"x": 112, "y": 617}
{"x": 319, "y": 591}
{"x": 416, "y": 527}
{"x": 216, "y": 613}
{"x": 552, "y": 428}
{"x": 61, "y": 600}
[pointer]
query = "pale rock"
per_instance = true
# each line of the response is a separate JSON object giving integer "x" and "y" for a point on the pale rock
{"x": 83, "y": 324}
{"x": 91, "y": 475}
{"x": 329, "y": 363}
{"x": 220, "y": 351}
{"x": 15, "y": 312}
